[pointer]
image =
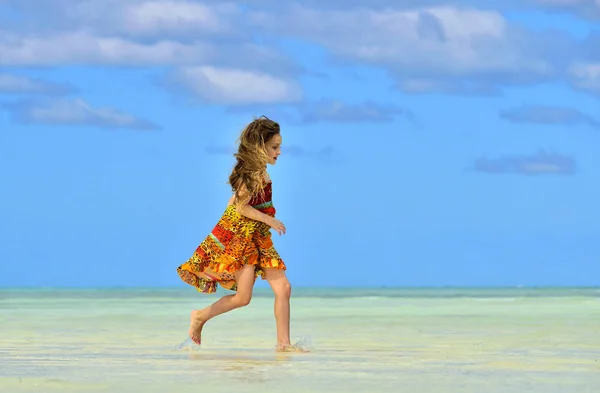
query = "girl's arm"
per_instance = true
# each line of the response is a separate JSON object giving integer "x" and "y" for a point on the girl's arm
{"x": 251, "y": 213}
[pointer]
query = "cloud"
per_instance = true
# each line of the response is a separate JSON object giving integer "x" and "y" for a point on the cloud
{"x": 455, "y": 87}
{"x": 138, "y": 33}
{"x": 16, "y": 84}
{"x": 82, "y": 48}
{"x": 338, "y": 112}
{"x": 74, "y": 112}
{"x": 162, "y": 18}
{"x": 441, "y": 48}
{"x": 588, "y": 9}
{"x": 543, "y": 114}
{"x": 135, "y": 18}
{"x": 585, "y": 76}
{"x": 537, "y": 164}
{"x": 428, "y": 46}
{"x": 231, "y": 86}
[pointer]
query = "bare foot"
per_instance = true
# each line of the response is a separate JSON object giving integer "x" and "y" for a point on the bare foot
{"x": 196, "y": 324}
{"x": 289, "y": 348}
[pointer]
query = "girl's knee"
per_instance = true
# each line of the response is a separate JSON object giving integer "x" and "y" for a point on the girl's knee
{"x": 242, "y": 300}
{"x": 283, "y": 289}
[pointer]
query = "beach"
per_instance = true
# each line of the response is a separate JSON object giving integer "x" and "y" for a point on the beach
{"x": 360, "y": 340}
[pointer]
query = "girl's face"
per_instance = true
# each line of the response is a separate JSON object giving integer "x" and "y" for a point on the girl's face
{"x": 273, "y": 148}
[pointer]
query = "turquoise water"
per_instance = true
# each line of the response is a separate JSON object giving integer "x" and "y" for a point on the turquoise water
{"x": 368, "y": 340}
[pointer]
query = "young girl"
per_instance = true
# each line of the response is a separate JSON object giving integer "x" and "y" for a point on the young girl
{"x": 239, "y": 248}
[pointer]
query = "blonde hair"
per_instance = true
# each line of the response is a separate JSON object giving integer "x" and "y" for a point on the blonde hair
{"x": 247, "y": 177}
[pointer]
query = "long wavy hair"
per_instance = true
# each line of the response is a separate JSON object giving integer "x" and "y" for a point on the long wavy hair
{"x": 251, "y": 159}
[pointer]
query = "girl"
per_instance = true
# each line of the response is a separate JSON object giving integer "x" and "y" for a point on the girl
{"x": 239, "y": 248}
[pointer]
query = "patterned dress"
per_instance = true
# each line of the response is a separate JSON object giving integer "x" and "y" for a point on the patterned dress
{"x": 235, "y": 241}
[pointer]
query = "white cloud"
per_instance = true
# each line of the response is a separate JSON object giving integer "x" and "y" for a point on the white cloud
{"x": 444, "y": 39}
{"x": 233, "y": 86}
{"x": 17, "y": 84}
{"x": 426, "y": 46}
{"x": 156, "y": 17}
{"x": 585, "y": 76}
{"x": 84, "y": 48}
{"x": 74, "y": 112}
{"x": 463, "y": 87}
{"x": 589, "y": 9}
{"x": 548, "y": 114}
{"x": 340, "y": 112}
{"x": 540, "y": 163}
{"x": 562, "y": 3}
{"x": 131, "y": 32}
{"x": 431, "y": 45}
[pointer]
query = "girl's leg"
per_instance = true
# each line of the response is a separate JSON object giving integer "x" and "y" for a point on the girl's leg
{"x": 245, "y": 283}
{"x": 282, "y": 289}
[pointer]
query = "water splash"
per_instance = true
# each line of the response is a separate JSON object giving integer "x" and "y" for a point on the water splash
{"x": 188, "y": 345}
{"x": 303, "y": 345}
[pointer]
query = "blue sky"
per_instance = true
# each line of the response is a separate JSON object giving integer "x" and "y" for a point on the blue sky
{"x": 426, "y": 143}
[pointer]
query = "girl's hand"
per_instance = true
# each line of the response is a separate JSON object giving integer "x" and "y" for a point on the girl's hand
{"x": 277, "y": 225}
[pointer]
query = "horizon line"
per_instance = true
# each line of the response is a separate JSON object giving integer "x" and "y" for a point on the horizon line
{"x": 555, "y": 286}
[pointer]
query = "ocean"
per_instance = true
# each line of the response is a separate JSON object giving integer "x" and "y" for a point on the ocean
{"x": 418, "y": 340}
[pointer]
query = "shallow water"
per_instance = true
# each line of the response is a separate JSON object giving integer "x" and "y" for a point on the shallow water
{"x": 404, "y": 340}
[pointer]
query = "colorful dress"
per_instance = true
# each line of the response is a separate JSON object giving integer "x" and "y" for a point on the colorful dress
{"x": 235, "y": 241}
